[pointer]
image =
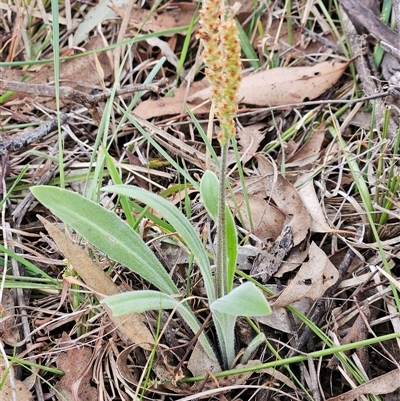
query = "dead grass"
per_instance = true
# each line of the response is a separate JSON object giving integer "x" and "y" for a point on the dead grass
{"x": 337, "y": 188}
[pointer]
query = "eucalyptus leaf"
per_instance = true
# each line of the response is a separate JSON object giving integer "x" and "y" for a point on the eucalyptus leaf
{"x": 106, "y": 231}
{"x": 179, "y": 222}
{"x": 245, "y": 300}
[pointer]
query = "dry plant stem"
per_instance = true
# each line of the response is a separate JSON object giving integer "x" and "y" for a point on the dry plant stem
{"x": 23, "y": 141}
{"x": 393, "y": 51}
{"x": 396, "y": 10}
{"x": 67, "y": 92}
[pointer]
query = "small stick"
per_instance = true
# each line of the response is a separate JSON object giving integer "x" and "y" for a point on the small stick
{"x": 67, "y": 92}
{"x": 24, "y": 140}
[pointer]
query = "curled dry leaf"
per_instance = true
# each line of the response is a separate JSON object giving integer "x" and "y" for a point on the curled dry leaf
{"x": 285, "y": 197}
{"x": 310, "y": 151}
{"x": 249, "y": 140}
{"x": 284, "y": 85}
{"x": 311, "y": 281}
{"x": 267, "y": 219}
{"x": 312, "y": 204}
{"x": 384, "y": 384}
{"x": 77, "y": 364}
{"x": 131, "y": 327}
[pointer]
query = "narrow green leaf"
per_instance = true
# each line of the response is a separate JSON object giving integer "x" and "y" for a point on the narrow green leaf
{"x": 139, "y": 301}
{"x": 106, "y": 231}
{"x": 209, "y": 195}
{"x": 179, "y": 222}
{"x": 245, "y": 300}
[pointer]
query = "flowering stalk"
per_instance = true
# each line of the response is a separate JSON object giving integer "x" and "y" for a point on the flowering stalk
{"x": 222, "y": 57}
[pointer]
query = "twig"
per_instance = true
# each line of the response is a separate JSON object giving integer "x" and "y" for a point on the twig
{"x": 24, "y": 140}
{"x": 67, "y": 92}
{"x": 393, "y": 51}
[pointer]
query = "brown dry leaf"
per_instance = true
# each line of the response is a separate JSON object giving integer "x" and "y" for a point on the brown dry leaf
{"x": 199, "y": 363}
{"x": 8, "y": 329}
{"x": 312, "y": 280}
{"x": 285, "y": 85}
{"x": 81, "y": 70}
{"x": 77, "y": 365}
{"x": 180, "y": 14}
{"x": 285, "y": 197}
{"x": 384, "y": 384}
{"x": 249, "y": 140}
{"x": 268, "y": 220}
{"x": 279, "y": 319}
{"x": 167, "y": 106}
{"x": 6, "y": 391}
{"x": 311, "y": 202}
{"x": 310, "y": 151}
{"x": 131, "y": 327}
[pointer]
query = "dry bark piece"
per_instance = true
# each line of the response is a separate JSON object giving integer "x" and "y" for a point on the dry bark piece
{"x": 366, "y": 18}
{"x": 131, "y": 327}
{"x": 312, "y": 280}
{"x": 34, "y": 135}
{"x": 268, "y": 263}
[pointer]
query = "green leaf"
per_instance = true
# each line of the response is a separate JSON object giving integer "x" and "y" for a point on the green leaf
{"x": 106, "y": 231}
{"x": 139, "y": 301}
{"x": 231, "y": 246}
{"x": 225, "y": 328}
{"x": 179, "y": 222}
{"x": 245, "y": 300}
{"x": 209, "y": 193}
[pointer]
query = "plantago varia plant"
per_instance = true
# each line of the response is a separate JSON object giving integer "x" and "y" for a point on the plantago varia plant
{"x": 105, "y": 230}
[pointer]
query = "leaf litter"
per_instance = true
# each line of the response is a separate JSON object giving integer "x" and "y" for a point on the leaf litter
{"x": 295, "y": 175}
